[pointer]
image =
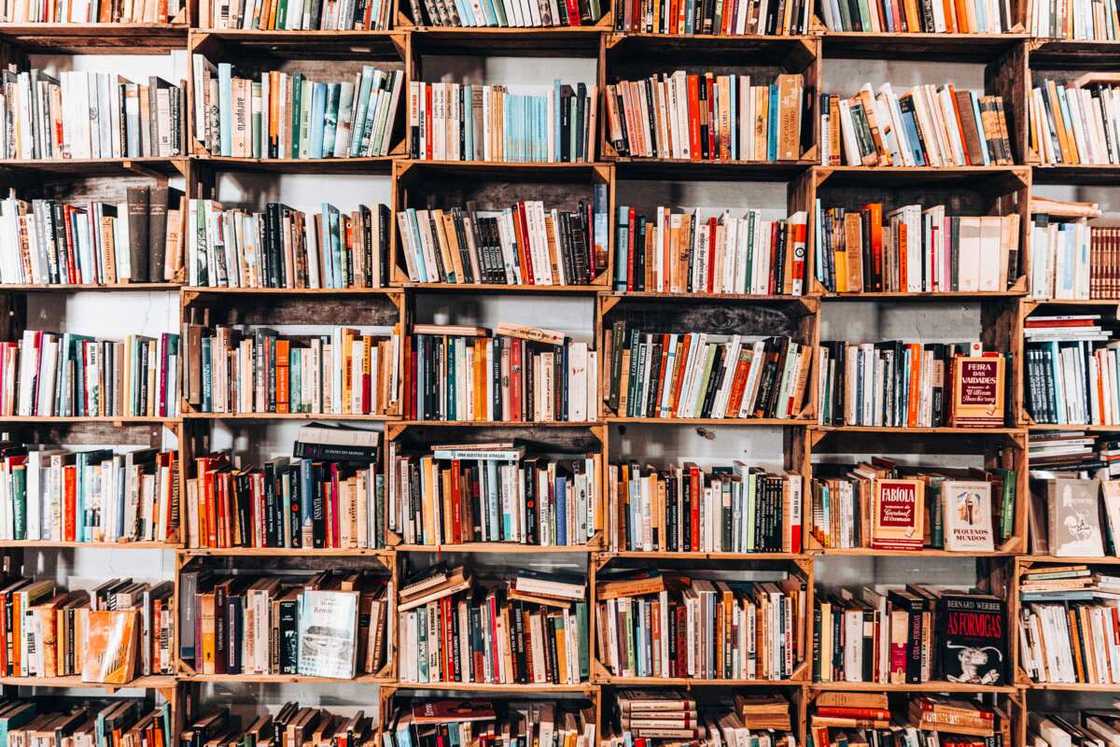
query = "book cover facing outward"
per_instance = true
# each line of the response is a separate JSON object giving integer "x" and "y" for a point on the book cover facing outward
{"x": 111, "y": 646}
{"x": 967, "y": 514}
{"x": 897, "y": 514}
{"x": 328, "y": 634}
{"x": 1073, "y": 517}
{"x": 978, "y": 391}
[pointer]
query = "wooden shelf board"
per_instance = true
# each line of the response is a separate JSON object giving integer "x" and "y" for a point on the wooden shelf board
{"x": 712, "y": 556}
{"x": 687, "y": 170}
{"x": 152, "y": 682}
{"x": 116, "y": 419}
{"x": 707, "y": 297}
{"x": 96, "y": 38}
{"x": 499, "y": 423}
{"x": 923, "y": 553}
{"x": 934, "y": 687}
{"x": 923, "y": 296}
{"x": 1075, "y": 53}
{"x": 284, "y": 552}
{"x": 1071, "y": 687}
{"x": 1104, "y": 560}
{"x": 270, "y": 679}
{"x": 574, "y": 290}
{"x": 1082, "y": 174}
{"x": 303, "y": 44}
{"x": 1037, "y": 302}
{"x": 487, "y": 687}
{"x": 740, "y": 422}
{"x": 499, "y": 547}
{"x": 943, "y": 430}
{"x": 1042, "y": 427}
{"x": 794, "y": 52}
{"x": 613, "y": 681}
{"x": 358, "y": 292}
{"x": 70, "y": 168}
{"x": 918, "y": 46}
{"x": 63, "y": 545}
{"x": 883, "y": 177}
{"x": 297, "y": 416}
{"x": 376, "y": 165}
{"x": 569, "y": 41}
{"x": 84, "y": 288}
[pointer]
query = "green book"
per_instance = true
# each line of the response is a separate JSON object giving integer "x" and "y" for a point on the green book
{"x": 297, "y": 97}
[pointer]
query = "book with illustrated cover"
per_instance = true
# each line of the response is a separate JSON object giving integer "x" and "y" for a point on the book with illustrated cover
{"x": 1073, "y": 517}
{"x": 328, "y": 631}
{"x": 897, "y": 515}
{"x": 967, "y": 513}
{"x": 978, "y": 391}
{"x": 972, "y": 638}
{"x": 110, "y": 646}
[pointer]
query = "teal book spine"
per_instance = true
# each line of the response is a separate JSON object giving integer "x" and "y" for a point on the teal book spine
{"x": 360, "y": 109}
{"x": 225, "y": 106}
{"x": 556, "y": 120}
{"x": 330, "y": 125}
{"x": 772, "y": 125}
{"x": 318, "y": 114}
{"x": 621, "y": 248}
{"x": 975, "y": 100}
{"x": 421, "y": 267}
{"x": 336, "y": 244}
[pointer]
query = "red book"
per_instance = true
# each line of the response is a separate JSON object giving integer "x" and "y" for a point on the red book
{"x": 523, "y": 255}
{"x": 208, "y": 499}
{"x": 428, "y": 119}
{"x": 573, "y": 12}
{"x": 694, "y": 116}
{"x": 680, "y": 666}
{"x": 713, "y": 224}
{"x": 874, "y": 222}
{"x": 798, "y": 233}
{"x": 333, "y": 526}
{"x": 661, "y": 382}
{"x": 515, "y": 379}
{"x": 678, "y": 377}
{"x": 695, "y": 492}
{"x": 456, "y": 502}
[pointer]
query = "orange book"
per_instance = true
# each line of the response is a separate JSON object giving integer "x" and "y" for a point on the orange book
{"x": 69, "y": 519}
{"x": 874, "y": 211}
{"x": 678, "y": 377}
{"x": 111, "y": 648}
{"x": 915, "y": 384}
{"x": 694, "y": 116}
{"x": 738, "y": 383}
{"x": 283, "y": 385}
{"x": 900, "y": 252}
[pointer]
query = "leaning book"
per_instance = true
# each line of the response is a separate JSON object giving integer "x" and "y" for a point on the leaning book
{"x": 328, "y": 634}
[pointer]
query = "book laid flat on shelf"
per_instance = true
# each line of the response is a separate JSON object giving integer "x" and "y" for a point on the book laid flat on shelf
{"x": 293, "y": 503}
{"x": 280, "y": 247}
{"x": 1067, "y": 626}
{"x": 493, "y": 492}
{"x": 709, "y": 251}
{"x": 1091, "y": 726}
{"x": 699, "y": 375}
{"x": 82, "y": 115}
{"x": 51, "y": 242}
{"x": 962, "y": 510}
{"x": 839, "y": 717}
{"x": 1071, "y": 259}
{"x": 1075, "y": 122}
{"x": 526, "y": 244}
{"x": 518, "y": 374}
{"x": 690, "y": 508}
{"x": 475, "y": 723}
{"x": 911, "y": 635}
{"x": 915, "y": 249}
{"x": 101, "y": 11}
{"x": 1071, "y": 369}
{"x": 112, "y": 721}
{"x": 330, "y": 624}
{"x": 671, "y": 717}
{"x": 1073, "y": 19}
{"x": 528, "y": 629}
{"x": 96, "y": 495}
{"x": 508, "y": 13}
{"x": 745, "y": 17}
{"x": 653, "y": 624}
{"x": 313, "y": 15}
{"x": 927, "y": 126}
{"x": 920, "y": 16}
{"x": 69, "y": 375}
{"x": 899, "y": 384}
{"x": 239, "y": 370}
{"x": 290, "y": 725}
{"x": 493, "y": 122}
{"x": 707, "y": 117}
{"x": 282, "y": 115}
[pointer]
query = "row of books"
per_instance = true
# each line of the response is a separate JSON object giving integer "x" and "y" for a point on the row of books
{"x": 330, "y": 624}
{"x": 1073, "y": 260}
{"x": 518, "y": 374}
{"x": 286, "y": 248}
{"x": 915, "y": 250}
{"x": 912, "y": 635}
{"x": 1074, "y": 517}
{"x": 96, "y": 495}
{"x": 315, "y": 15}
{"x": 877, "y": 505}
{"x": 650, "y": 624}
{"x": 507, "y": 13}
{"x": 690, "y": 508}
{"x": 927, "y": 126}
{"x": 1075, "y": 122}
{"x": 292, "y": 724}
{"x": 1068, "y": 630}
{"x": 659, "y": 718}
{"x": 706, "y": 117}
{"x": 493, "y": 493}
{"x": 519, "y": 124}
{"x": 103, "y": 11}
{"x": 284, "y": 115}
{"x": 1072, "y": 374}
{"x": 113, "y": 722}
{"x": 927, "y": 721}
{"x": 240, "y": 371}
{"x": 52, "y": 242}
{"x": 1073, "y": 453}
{"x": 902, "y": 384}
{"x": 531, "y": 628}
{"x": 742, "y": 17}
{"x": 526, "y": 244}
{"x": 75, "y": 114}
{"x": 1073, "y": 19}
{"x": 701, "y": 251}
{"x": 113, "y": 633}
{"x": 68, "y": 375}
{"x": 920, "y": 16}
{"x": 697, "y": 375}
{"x": 1091, "y": 727}
{"x": 475, "y": 723}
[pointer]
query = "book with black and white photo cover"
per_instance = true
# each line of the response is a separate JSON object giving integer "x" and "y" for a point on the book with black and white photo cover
{"x": 971, "y": 635}
{"x": 967, "y": 512}
{"x": 1073, "y": 513}
{"x": 328, "y": 634}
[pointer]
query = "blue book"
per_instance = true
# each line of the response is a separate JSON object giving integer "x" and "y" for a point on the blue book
{"x": 983, "y": 140}
{"x": 499, "y": 11}
{"x": 360, "y": 109}
{"x": 507, "y": 126}
{"x": 318, "y": 114}
{"x": 225, "y": 106}
{"x": 468, "y": 122}
{"x": 556, "y": 119}
{"x": 600, "y": 212}
{"x": 772, "y": 125}
{"x": 910, "y": 125}
{"x": 561, "y": 529}
{"x": 421, "y": 268}
{"x": 207, "y": 403}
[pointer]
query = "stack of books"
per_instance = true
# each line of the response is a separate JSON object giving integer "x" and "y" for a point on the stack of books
{"x": 476, "y": 723}
{"x": 514, "y": 124}
{"x": 653, "y": 624}
{"x": 669, "y": 116}
{"x": 86, "y": 115}
{"x": 928, "y": 126}
{"x": 920, "y": 16}
{"x": 748, "y": 17}
{"x": 113, "y": 722}
{"x": 898, "y": 384}
{"x": 331, "y": 624}
{"x": 912, "y": 635}
{"x": 698, "y": 375}
{"x": 914, "y": 250}
{"x": 1067, "y": 625}
{"x": 929, "y": 720}
{"x": 111, "y": 634}
{"x": 1075, "y": 122}
{"x": 493, "y": 492}
{"x": 237, "y": 371}
{"x": 1073, "y": 453}
{"x": 1073, "y": 19}
{"x": 313, "y": 15}
{"x": 508, "y": 14}
{"x": 68, "y": 375}
{"x": 291, "y": 725}
{"x": 1072, "y": 370}
{"x": 527, "y": 244}
{"x": 959, "y": 511}
{"x": 283, "y": 115}
{"x": 707, "y": 251}
{"x": 1071, "y": 259}
{"x": 1097, "y": 727}
{"x": 519, "y": 374}
{"x": 280, "y": 247}
{"x": 447, "y": 619}
{"x": 51, "y": 242}
{"x": 690, "y": 508}
{"x": 98, "y": 495}
{"x": 103, "y": 11}
{"x": 664, "y": 718}
{"x": 1066, "y": 515}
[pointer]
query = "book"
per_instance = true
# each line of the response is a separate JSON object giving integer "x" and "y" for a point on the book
{"x": 463, "y": 721}
{"x": 1065, "y": 625}
{"x": 291, "y": 723}
{"x": 897, "y": 514}
{"x": 1073, "y": 517}
{"x": 748, "y": 18}
{"x": 978, "y": 388}
{"x": 669, "y": 717}
{"x": 972, "y": 638}
{"x": 1069, "y": 359}
{"x": 959, "y": 723}
{"x": 110, "y": 648}
{"x": 148, "y": 12}
{"x": 967, "y": 511}
{"x": 328, "y": 634}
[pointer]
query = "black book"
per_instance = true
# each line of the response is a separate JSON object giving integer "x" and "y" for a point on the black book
{"x": 971, "y": 637}
{"x": 289, "y": 635}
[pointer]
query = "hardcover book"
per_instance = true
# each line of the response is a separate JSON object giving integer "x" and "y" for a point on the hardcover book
{"x": 978, "y": 391}
{"x": 111, "y": 645}
{"x": 328, "y": 634}
{"x": 1073, "y": 512}
{"x": 897, "y": 514}
{"x": 967, "y": 516}
{"x": 972, "y": 638}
